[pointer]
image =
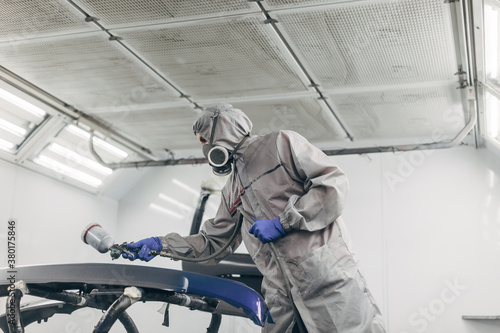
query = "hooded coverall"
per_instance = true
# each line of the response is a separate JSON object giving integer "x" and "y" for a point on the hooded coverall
{"x": 282, "y": 174}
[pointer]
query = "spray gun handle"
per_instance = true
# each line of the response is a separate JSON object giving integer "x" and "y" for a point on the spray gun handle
{"x": 116, "y": 250}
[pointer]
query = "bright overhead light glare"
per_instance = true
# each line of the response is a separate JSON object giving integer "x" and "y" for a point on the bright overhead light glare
{"x": 67, "y": 171}
{"x": 4, "y": 144}
{"x": 75, "y": 157}
{"x": 175, "y": 202}
{"x": 184, "y": 186}
{"x": 491, "y": 36}
{"x": 34, "y": 110}
{"x": 10, "y": 127}
{"x": 165, "y": 211}
{"x": 97, "y": 141}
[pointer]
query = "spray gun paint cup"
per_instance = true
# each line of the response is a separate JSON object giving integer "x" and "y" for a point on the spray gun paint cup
{"x": 95, "y": 236}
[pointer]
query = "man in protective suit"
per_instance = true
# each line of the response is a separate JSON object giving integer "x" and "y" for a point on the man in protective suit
{"x": 295, "y": 194}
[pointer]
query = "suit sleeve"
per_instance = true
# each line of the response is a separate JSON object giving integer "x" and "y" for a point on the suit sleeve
{"x": 214, "y": 234}
{"x": 325, "y": 184}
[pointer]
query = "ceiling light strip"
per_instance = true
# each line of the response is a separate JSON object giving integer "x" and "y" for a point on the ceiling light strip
{"x": 65, "y": 170}
{"x": 17, "y": 101}
{"x": 77, "y": 158}
{"x": 6, "y": 145}
{"x": 14, "y": 129}
{"x": 69, "y": 111}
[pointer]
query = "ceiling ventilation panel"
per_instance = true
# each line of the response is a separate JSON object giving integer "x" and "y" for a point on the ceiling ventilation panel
{"x": 304, "y": 115}
{"x": 114, "y": 14}
{"x": 218, "y": 58}
{"x": 279, "y": 4}
{"x": 23, "y": 19}
{"x": 347, "y": 45}
{"x": 87, "y": 71}
{"x": 158, "y": 129}
{"x": 420, "y": 114}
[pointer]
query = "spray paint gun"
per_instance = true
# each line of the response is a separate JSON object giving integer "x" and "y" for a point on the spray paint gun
{"x": 95, "y": 236}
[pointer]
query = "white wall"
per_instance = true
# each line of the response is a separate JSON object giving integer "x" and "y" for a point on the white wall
{"x": 435, "y": 218}
{"x": 442, "y": 235}
{"x": 50, "y": 217}
{"x": 425, "y": 226}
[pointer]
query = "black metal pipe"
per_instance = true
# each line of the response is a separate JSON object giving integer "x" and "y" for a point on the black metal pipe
{"x": 13, "y": 313}
{"x": 64, "y": 296}
{"x": 200, "y": 210}
{"x": 191, "y": 302}
{"x": 128, "y": 323}
{"x": 214, "y": 323}
{"x": 112, "y": 314}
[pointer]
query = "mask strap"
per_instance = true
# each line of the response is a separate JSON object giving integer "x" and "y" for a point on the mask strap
{"x": 238, "y": 146}
{"x": 214, "y": 125}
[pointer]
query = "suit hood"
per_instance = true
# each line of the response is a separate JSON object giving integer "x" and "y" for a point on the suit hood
{"x": 232, "y": 125}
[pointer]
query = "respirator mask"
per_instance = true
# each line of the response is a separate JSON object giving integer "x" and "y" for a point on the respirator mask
{"x": 219, "y": 158}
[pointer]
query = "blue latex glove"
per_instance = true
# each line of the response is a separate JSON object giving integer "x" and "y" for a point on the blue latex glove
{"x": 267, "y": 230}
{"x": 142, "y": 248}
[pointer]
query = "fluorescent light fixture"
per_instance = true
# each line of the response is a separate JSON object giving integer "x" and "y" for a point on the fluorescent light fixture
{"x": 10, "y": 127}
{"x": 67, "y": 171}
{"x": 75, "y": 157}
{"x": 184, "y": 186}
{"x": 164, "y": 210}
{"x": 491, "y": 36}
{"x": 175, "y": 202}
{"x": 97, "y": 141}
{"x": 5, "y": 145}
{"x": 34, "y": 110}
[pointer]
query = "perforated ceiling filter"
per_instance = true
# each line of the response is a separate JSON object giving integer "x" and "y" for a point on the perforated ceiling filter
{"x": 120, "y": 13}
{"x": 364, "y": 44}
{"x": 304, "y": 115}
{"x": 87, "y": 71}
{"x": 156, "y": 129}
{"x": 219, "y": 58}
{"x": 431, "y": 114}
{"x": 279, "y": 4}
{"x": 23, "y": 19}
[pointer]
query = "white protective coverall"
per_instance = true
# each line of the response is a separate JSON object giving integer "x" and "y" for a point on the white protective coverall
{"x": 282, "y": 174}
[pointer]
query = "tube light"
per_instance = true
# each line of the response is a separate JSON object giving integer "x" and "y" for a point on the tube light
{"x": 10, "y": 127}
{"x": 97, "y": 141}
{"x": 164, "y": 210}
{"x": 491, "y": 36}
{"x": 72, "y": 156}
{"x": 67, "y": 171}
{"x": 175, "y": 202}
{"x": 5, "y": 145}
{"x": 11, "y": 98}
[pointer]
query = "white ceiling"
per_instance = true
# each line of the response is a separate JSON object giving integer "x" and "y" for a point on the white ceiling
{"x": 343, "y": 73}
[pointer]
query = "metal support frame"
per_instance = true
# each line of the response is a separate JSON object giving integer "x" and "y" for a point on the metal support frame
{"x": 99, "y": 299}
